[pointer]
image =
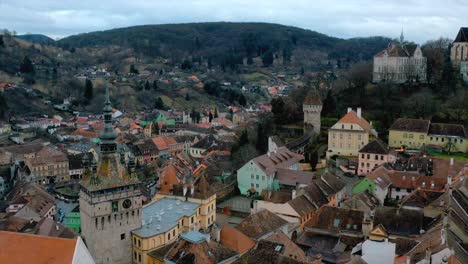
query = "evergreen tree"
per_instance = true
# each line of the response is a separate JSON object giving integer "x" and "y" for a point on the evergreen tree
{"x": 147, "y": 86}
{"x": 210, "y": 117}
{"x": 155, "y": 85}
{"x": 2, "y": 43}
{"x": 268, "y": 58}
{"x": 88, "y": 93}
{"x": 159, "y": 104}
{"x": 242, "y": 100}
{"x": 216, "y": 113}
{"x": 26, "y": 65}
{"x": 187, "y": 97}
{"x": 3, "y": 106}
{"x": 244, "y": 138}
{"x": 133, "y": 69}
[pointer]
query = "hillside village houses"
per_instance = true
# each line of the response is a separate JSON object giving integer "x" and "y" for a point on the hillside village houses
{"x": 373, "y": 155}
{"x": 419, "y": 134}
{"x": 349, "y": 134}
{"x": 400, "y": 63}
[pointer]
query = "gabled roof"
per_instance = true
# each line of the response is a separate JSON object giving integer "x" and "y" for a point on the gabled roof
{"x": 411, "y": 125}
{"x": 377, "y": 147}
{"x": 27, "y": 248}
{"x": 421, "y": 198}
{"x": 337, "y": 219}
{"x": 265, "y": 252}
{"x": 280, "y": 158}
{"x": 462, "y": 35}
{"x": 352, "y": 118}
{"x": 258, "y": 224}
{"x": 453, "y": 130}
{"x": 290, "y": 249}
{"x": 292, "y": 177}
{"x": 204, "y": 252}
{"x": 399, "y": 220}
{"x": 235, "y": 239}
{"x": 302, "y": 205}
{"x": 398, "y": 50}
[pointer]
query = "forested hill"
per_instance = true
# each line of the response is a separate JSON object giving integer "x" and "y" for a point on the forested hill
{"x": 36, "y": 38}
{"x": 219, "y": 40}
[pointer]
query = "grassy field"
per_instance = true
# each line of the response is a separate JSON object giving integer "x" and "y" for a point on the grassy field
{"x": 457, "y": 156}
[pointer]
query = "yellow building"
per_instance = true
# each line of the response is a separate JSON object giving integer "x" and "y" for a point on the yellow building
{"x": 349, "y": 134}
{"x": 188, "y": 207}
{"x": 417, "y": 133}
{"x": 49, "y": 166}
{"x": 199, "y": 194}
{"x": 162, "y": 223}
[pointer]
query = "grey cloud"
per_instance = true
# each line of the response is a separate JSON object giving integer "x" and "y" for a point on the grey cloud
{"x": 421, "y": 20}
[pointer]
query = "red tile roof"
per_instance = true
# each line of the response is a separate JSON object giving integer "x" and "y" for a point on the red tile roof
{"x": 352, "y": 118}
{"x": 26, "y": 248}
{"x": 235, "y": 239}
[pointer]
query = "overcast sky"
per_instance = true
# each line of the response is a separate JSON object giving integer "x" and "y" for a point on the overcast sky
{"x": 420, "y": 19}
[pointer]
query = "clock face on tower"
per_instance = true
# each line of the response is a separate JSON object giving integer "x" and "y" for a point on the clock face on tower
{"x": 127, "y": 203}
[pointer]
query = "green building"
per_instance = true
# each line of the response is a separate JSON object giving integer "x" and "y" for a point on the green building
{"x": 376, "y": 183}
{"x": 261, "y": 173}
{"x": 73, "y": 220}
{"x": 365, "y": 185}
{"x": 157, "y": 117}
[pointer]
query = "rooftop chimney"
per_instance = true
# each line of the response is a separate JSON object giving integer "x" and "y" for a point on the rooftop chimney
{"x": 192, "y": 190}
{"x": 293, "y": 194}
{"x": 350, "y": 109}
{"x": 185, "y": 190}
{"x": 451, "y": 161}
{"x": 359, "y": 112}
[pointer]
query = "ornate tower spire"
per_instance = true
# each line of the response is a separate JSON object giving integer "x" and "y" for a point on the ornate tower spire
{"x": 108, "y": 135}
{"x": 402, "y": 37}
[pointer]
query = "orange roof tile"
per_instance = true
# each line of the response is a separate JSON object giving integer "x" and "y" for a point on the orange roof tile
{"x": 160, "y": 143}
{"x": 352, "y": 118}
{"x": 168, "y": 178}
{"x": 170, "y": 140}
{"x": 27, "y": 248}
{"x": 235, "y": 239}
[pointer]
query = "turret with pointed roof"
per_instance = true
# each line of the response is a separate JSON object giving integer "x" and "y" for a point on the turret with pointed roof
{"x": 312, "y": 108}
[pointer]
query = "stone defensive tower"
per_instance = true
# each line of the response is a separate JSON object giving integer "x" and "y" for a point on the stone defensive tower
{"x": 312, "y": 108}
{"x": 110, "y": 199}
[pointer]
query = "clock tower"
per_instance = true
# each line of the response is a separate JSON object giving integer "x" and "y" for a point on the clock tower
{"x": 110, "y": 199}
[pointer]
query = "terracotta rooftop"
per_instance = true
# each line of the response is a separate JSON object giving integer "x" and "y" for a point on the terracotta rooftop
{"x": 281, "y": 158}
{"x": 353, "y": 118}
{"x": 258, "y": 224}
{"x": 337, "y": 219}
{"x": 290, "y": 250}
{"x": 235, "y": 239}
{"x": 26, "y": 248}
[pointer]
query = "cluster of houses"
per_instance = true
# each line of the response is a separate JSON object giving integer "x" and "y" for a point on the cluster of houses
{"x": 147, "y": 188}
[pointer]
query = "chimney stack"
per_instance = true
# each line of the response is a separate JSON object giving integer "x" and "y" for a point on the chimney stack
{"x": 349, "y": 109}
{"x": 293, "y": 194}
{"x": 451, "y": 161}
{"x": 192, "y": 190}
{"x": 185, "y": 190}
{"x": 359, "y": 112}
